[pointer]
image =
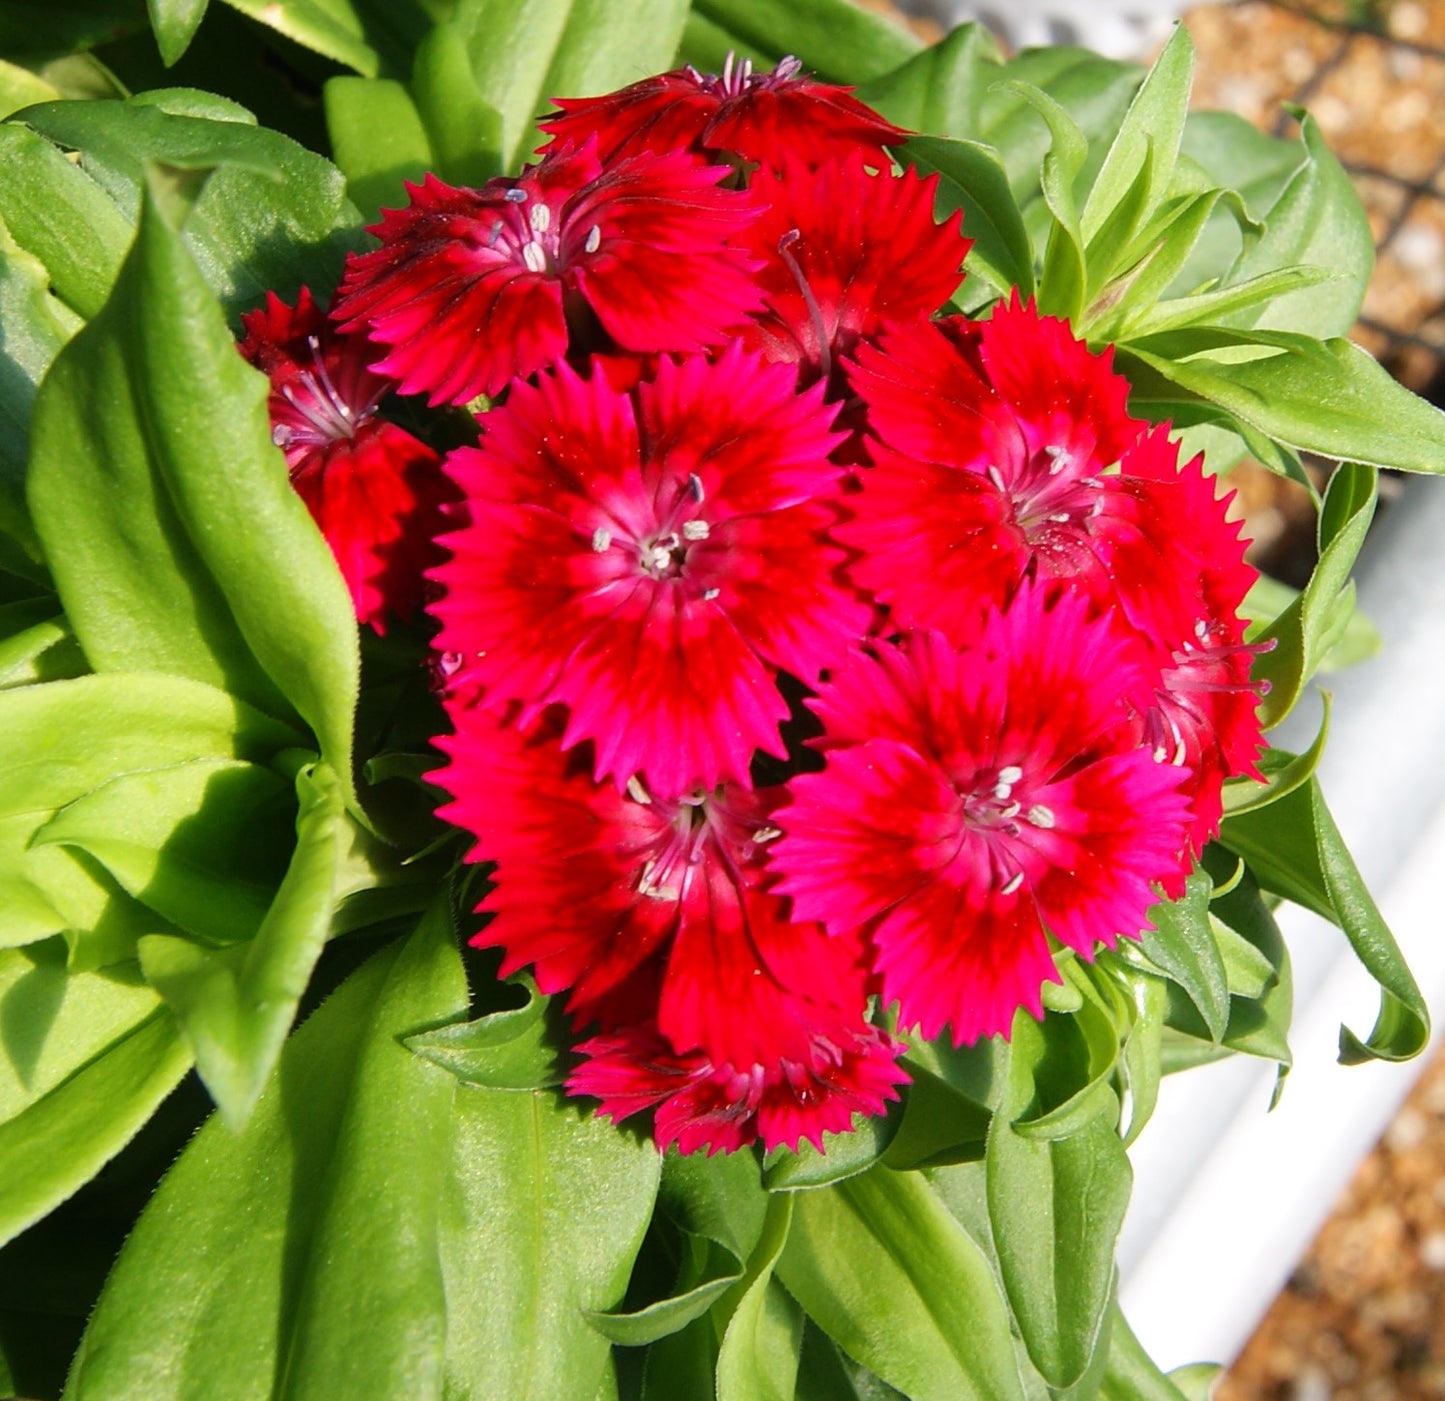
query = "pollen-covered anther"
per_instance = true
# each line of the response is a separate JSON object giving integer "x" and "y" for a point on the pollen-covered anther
{"x": 1041, "y": 816}
{"x": 1058, "y": 458}
{"x": 540, "y": 218}
{"x": 594, "y": 239}
{"x": 601, "y": 539}
{"x": 694, "y": 530}
{"x": 694, "y": 486}
{"x": 1012, "y": 884}
{"x": 637, "y": 792}
{"x": 645, "y": 886}
{"x": 534, "y": 256}
{"x": 767, "y": 834}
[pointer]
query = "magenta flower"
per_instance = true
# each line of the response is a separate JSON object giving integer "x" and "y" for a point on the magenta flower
{"x": 755, "y": 116}
{"x": 977, "y": 803}
{"x": 649, "y": 559}
{"x": 375, "y": 491}
{"x": 472, "y": 288}
{"x": 701, "y": 1104}
{"x": 846, "y": 253}
{"x": 651, "y": 910}
{"x": 995, "y": 436}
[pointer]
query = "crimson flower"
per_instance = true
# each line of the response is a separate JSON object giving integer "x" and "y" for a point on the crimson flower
{"x": 472, "y": 288}
{"x": 649, "y": 559}
{"x": 756, "y": 116}
{"x": 976, "y": 802}
{"x": 846, "y": 253}
{"x": 375, "y": 491}
{"x": 995, "y": 436}
{"x": 651, "y": 910}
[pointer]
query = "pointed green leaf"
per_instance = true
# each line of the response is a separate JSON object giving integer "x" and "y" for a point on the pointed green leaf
{"x": 971, "y": 177}
{"x": 1305, "y": 631}
{"x": 204, "y": 843}
{"x": 1295, "y": 850}
{"x": 1181, "y": 945}
{"x": 328, "y": 27}
{"x": 300, "y": 1256}
{"x": 1131, "y": 1373}
{"x": 174, "y": 23}
{"x": 1283, "y": 772}
{"x": 842, "y": 1154}
{"x": 1147, "y": 140}
{"x": 940, "y": 91}
{"x": 521, "y": 1048}
{"x": 1328, "y": 397}
{"x": 882, "y": 1268}
{"x": 1056, "y": 1208}
{"x": 164, "y": 562}
{"x": 236, "y": 1004}
{"x": 62, "y": 1139}
{"x": 1141, "y": 1053}
{"x": 758, "y": 1359}
{"x": 1062, "y": 283}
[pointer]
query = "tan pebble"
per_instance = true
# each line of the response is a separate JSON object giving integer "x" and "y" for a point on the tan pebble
{"x": 1409, "y": 1127}
{"x": 1432, "y": 1250}
{"x": 1311, "y": 1385}
{"x": 1408, "y": 20}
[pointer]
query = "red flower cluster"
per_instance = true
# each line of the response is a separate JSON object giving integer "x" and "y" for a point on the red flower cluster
{"x": 738, "y": 484}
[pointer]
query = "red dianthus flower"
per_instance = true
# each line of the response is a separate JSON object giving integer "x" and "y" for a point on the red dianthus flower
{"x": 650, "y": 559}
{"x": 976, "y": 802}
{"x": 469, "y": 288}
{"x": 375, "y": 491}
{"x": 756, "y": 116}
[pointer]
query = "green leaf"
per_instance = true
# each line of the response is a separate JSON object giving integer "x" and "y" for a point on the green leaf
{"x": 465, "y": 130}
{"x": 972, "y": 178}
{"x": 1062, "y": 283}
{"x": 328, "y": 27}
{"x": 204, "y": 843}
{"x": 842, "y": 1154}
{"x": 19, "y": 87}
{"x": 1073, "y": 1077}
{"x": 36, "y": 325}
{"x": 174, "y": 23}
{"x": 940, "y": 91}
{"x": 1221, "y": 305}
{"x": 1283, "y": 772}
{"x": 54, "y": 1021}
{"x": 62, "y": 1139}
{"x": 1304, "y": 633}
{"x": 543, "y": 1211}
{"x": 1328, "y": 397}
{"x": 1317, "y": 220}
{"x": 237, "y": 1003}
{"x": 1056, "y": 1208}
{"x": 758, "y": 1359}
{"x": 1131, "y": 1374}
{"x": 1295, "y": 850}
{"x": 941, "y": 1123}
{"x": 272, "y": 216}
{"x": 61, "y": 217}
{"x": 377, "y": 138}
{"x": 1182, "y": 945}
{"x": 1147, "y": 141}
{"x": 1142, "y": 1049}
{"x": 880, "y": 1265}
{"x": 838, "y": 41}
{"x": 300, "y": 1257}
{"x": 45, "y": 651}
{"x": 520, "y": 1048}
{"x": 165, "y": 563}
{"x": 721, "y": 1199}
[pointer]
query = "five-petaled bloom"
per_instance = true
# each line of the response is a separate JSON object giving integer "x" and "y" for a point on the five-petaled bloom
{"x": 811, "y": 653}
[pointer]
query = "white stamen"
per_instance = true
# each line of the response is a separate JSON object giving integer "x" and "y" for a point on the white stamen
{"x": 1201, "y": 629}
{"x": 281, "y": 435}
{"x": 1160, "y": 754}
{"x": 727, "y": 73}
{"x": 515, "y": 196}
{"x": 495, "y": 234}
{"x": 535, "y": 257}
{"x": 1060, "y": 518}
{"x": 1002, "y": 791}
{"x": 710, "y": 594}
{"x": 1096, "y": 482}
{"x": 637, "y": 792}
{"x": 1010, "y": 773}
{"x": 767, "y": 834}
{"x": 1014, "y": 882}
{"x": 594, "y": 239}
{"x": 1012, "y": 810}
{"x": 540, "y": 217}
{"x": 694, "y": 485}
{"x": 694, "y": 530}
{"x": 996, "y": 477}
{"x": 601, "y": 539}
{"x": 1058, "y": 458}
{"x": 1041, "y": 816}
